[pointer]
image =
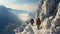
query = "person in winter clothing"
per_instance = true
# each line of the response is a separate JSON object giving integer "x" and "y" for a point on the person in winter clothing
{"x": 38, "y": 22}
{"x": 32, "y": 21}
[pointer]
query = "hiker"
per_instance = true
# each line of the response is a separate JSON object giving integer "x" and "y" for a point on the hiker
{"x": 38, "y": 22}
{"x": 32, "y": 21}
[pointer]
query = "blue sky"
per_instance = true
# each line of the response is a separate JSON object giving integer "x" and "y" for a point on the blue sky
{"x": 26, "y": 1}
{"x": 28, "y": 5}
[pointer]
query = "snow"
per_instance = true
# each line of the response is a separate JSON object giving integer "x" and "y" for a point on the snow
{"x": 49, "y": 24}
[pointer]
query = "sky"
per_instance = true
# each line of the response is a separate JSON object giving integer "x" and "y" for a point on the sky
{"x": 15, "y": 12}
{"x": 26, "y": 5}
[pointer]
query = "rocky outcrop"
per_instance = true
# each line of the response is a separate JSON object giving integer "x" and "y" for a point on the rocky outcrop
{"x": 50, "y": 16}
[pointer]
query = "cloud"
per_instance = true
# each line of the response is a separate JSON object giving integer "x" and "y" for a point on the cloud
{"x": 24, "y": 17}
{"x": 27, "y": 7}
{"x": 19, "y": 6}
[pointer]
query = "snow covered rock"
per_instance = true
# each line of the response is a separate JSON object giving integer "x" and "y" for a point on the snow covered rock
{"x": 49, "y": 13}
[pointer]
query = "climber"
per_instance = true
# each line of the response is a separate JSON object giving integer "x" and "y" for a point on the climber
{"x": 38, "y": 22}
{"x": 32, "y": 21}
